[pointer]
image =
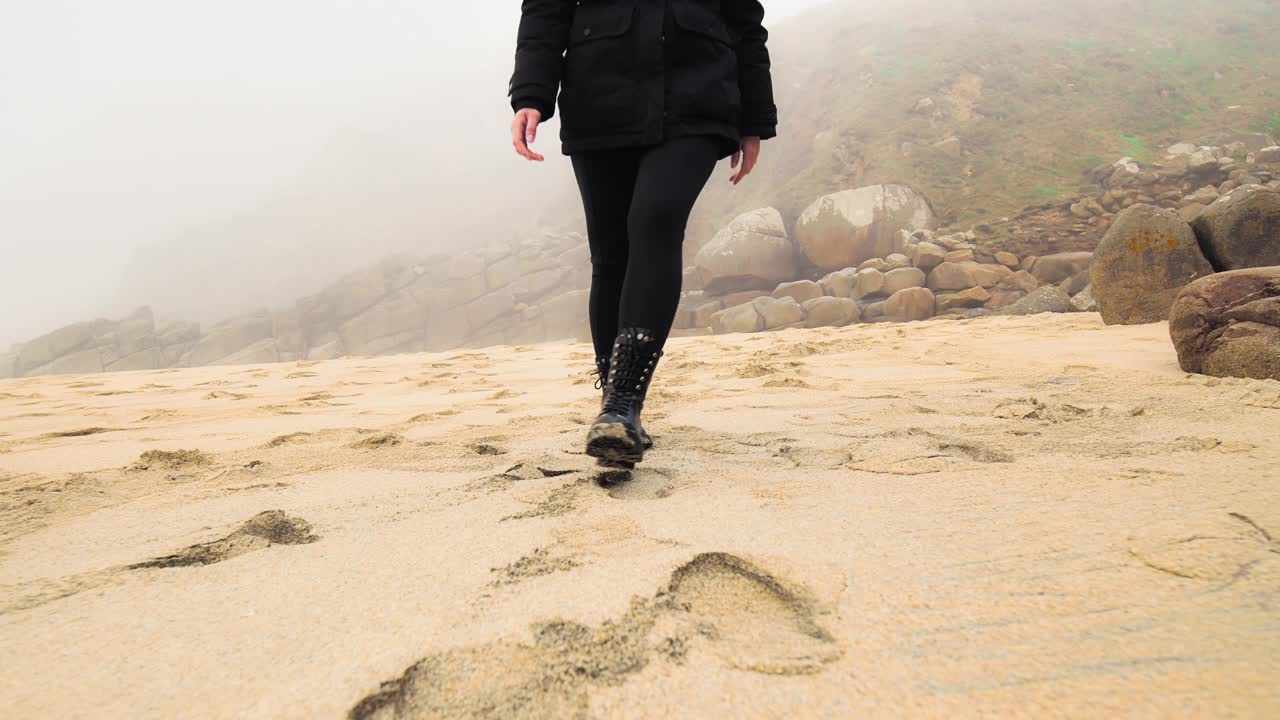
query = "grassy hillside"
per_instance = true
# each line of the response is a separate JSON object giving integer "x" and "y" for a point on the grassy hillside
{"x": 1024, "y": 97}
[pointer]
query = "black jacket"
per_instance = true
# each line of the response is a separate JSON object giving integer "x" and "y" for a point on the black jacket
{"x": 632, "y": 72}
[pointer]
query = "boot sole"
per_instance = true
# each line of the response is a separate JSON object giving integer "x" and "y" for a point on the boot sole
{"x": 609, "y": 441}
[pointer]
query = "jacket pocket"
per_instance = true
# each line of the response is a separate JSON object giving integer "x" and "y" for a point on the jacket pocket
{"x": 600, "y": 19}
{"x": 701, "y": 21}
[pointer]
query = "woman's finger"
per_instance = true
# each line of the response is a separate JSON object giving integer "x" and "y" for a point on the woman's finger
{"x": 517, "y": 135}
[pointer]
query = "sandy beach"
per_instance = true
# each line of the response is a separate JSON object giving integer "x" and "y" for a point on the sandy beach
{"x": 1036, "y": 516}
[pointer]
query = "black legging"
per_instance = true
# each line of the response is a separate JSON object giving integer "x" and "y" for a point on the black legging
{"x": 637, "y": 202}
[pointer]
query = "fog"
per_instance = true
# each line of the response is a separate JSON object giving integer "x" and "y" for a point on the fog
{"x": 157, "y": 152}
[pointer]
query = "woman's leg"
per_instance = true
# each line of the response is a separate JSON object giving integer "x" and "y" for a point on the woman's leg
{"x": 669, "y": 179}
{"x": 606, "y": 181}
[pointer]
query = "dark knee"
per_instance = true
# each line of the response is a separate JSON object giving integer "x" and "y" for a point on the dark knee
{"x": 656, "y": 223}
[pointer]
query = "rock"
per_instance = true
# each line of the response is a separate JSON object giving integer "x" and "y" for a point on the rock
{"x": 901, "y": 279}
{"x": 778, "y": 312}
{"x": 354, "y": 293}
{"x": 1189, "y": 213}
{"x": 565, "y": 316}
{"x": 447, "y": 328}
{"x": 839, "y": 283}
{"x": 1241, "y": 229}
{"x": 893, "y": 261}
{"x": 799, "y": 290}
{"x": 63, "y": 341}
{"x": 1203, "y": 196}
{"x": 1201, "y": 161}
{"x": 230, "y": 337}
{"x": 973, "y": 297}
{"x": 1053, "y": 269}
{"x": 486, "y": 308}
{"x": 926, "y": 255}
{"x": 1083, "y": 301}
{"x": 868, "y": 281}
{"x": 1075, "y": 283}
{"x": 1228, "y": 324}
{"x": 914, "y": 303}
{"x": 959, "y": 255}
{"x": 148, "y": 359}
{"x": 1007, "y": 259}
{"x": 830, "y": 311}
{"x": 88, "y": 360}
{"x": 741, "y": 297}
{"x": 692, "y": 278}
{"x": 874, "y": 311}
{"x": 737, "y": 319}
{"x": 535, "y": 285}
{"x": 843, "y": 229}
{"x": 963, "y": 275}
{"x": 1049, "y": 298}
{"x": 1141, "y": 263}
{"x": 177, "y": 333}
{"x": 702, "y": 314}
{"x": 1268, "y": 155}
{"x": 752, "y": 251}
{"x": 326, "y": 347}
{"x": 1181, "y": 149}
{"x": 8, "y": 365}
{"x": 1124, "y": 172}
{"x": 263, "y": 351}
{"x": 873, "y": 264}
{"x": 395, "y": 317}
{"x": 1021, "y": 280}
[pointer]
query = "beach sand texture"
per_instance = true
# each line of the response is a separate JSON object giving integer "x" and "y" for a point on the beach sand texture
{"x": 1036, "y": 516}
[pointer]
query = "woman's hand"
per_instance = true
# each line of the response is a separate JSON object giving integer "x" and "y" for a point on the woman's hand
{"x": 749, "y": 152}
{"x": 524, "y": 130}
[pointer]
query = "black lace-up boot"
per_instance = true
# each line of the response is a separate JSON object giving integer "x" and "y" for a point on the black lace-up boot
{"x": 602, "y": 371}
{"x": 615, "y": 435}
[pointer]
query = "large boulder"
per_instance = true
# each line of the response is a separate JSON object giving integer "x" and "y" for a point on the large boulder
{"x": 966, "y": 274}
{"x": 1053, "y": 269}
{"x": 901, "y": 279}
{"x": 1145, "y": 258}
{"x": 830, "y": 311}
{"x": 1049, "y": 298}
{"x": 1241, "y": 229}
{"x": 753, "y": 251}
{"x": 914, "y": 303}
{"x": 845, "y": 228}
{"x": 737, "y": 319}
{"x": 1228, "y": 324}
{"x": 565, "y": 316}
{"x": 389, "y": 324}
{"x": 799, "y": 290}
{"x": 88, "y": 360}
{"x": 229, "y": 337}
{"x": 263, "y": 351}
{"x": 777, "y": 312}
{"x": 65, "y": 340}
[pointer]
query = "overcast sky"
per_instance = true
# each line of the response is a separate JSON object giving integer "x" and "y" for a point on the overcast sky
{"x": 124, "y": 121}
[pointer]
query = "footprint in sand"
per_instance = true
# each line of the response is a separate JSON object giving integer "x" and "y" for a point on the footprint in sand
{"x": 1218, "y": 549}
{"x": 716, "y": 603}
{"x": 263, "y": 530}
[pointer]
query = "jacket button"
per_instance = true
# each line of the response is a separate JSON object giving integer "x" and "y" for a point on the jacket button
{"x": 586, "y": 31}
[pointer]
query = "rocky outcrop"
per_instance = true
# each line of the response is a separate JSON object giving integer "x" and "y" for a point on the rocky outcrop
{"x": 751, "y": 252}
{"x": 843, "y": 229}
{"x": 1241, "y": 229}
{"x": 1147, "y": 256}
{"x": 1228, "y": 324}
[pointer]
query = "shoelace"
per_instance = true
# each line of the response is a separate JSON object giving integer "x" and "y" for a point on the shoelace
{"x": 627, "y": 371}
